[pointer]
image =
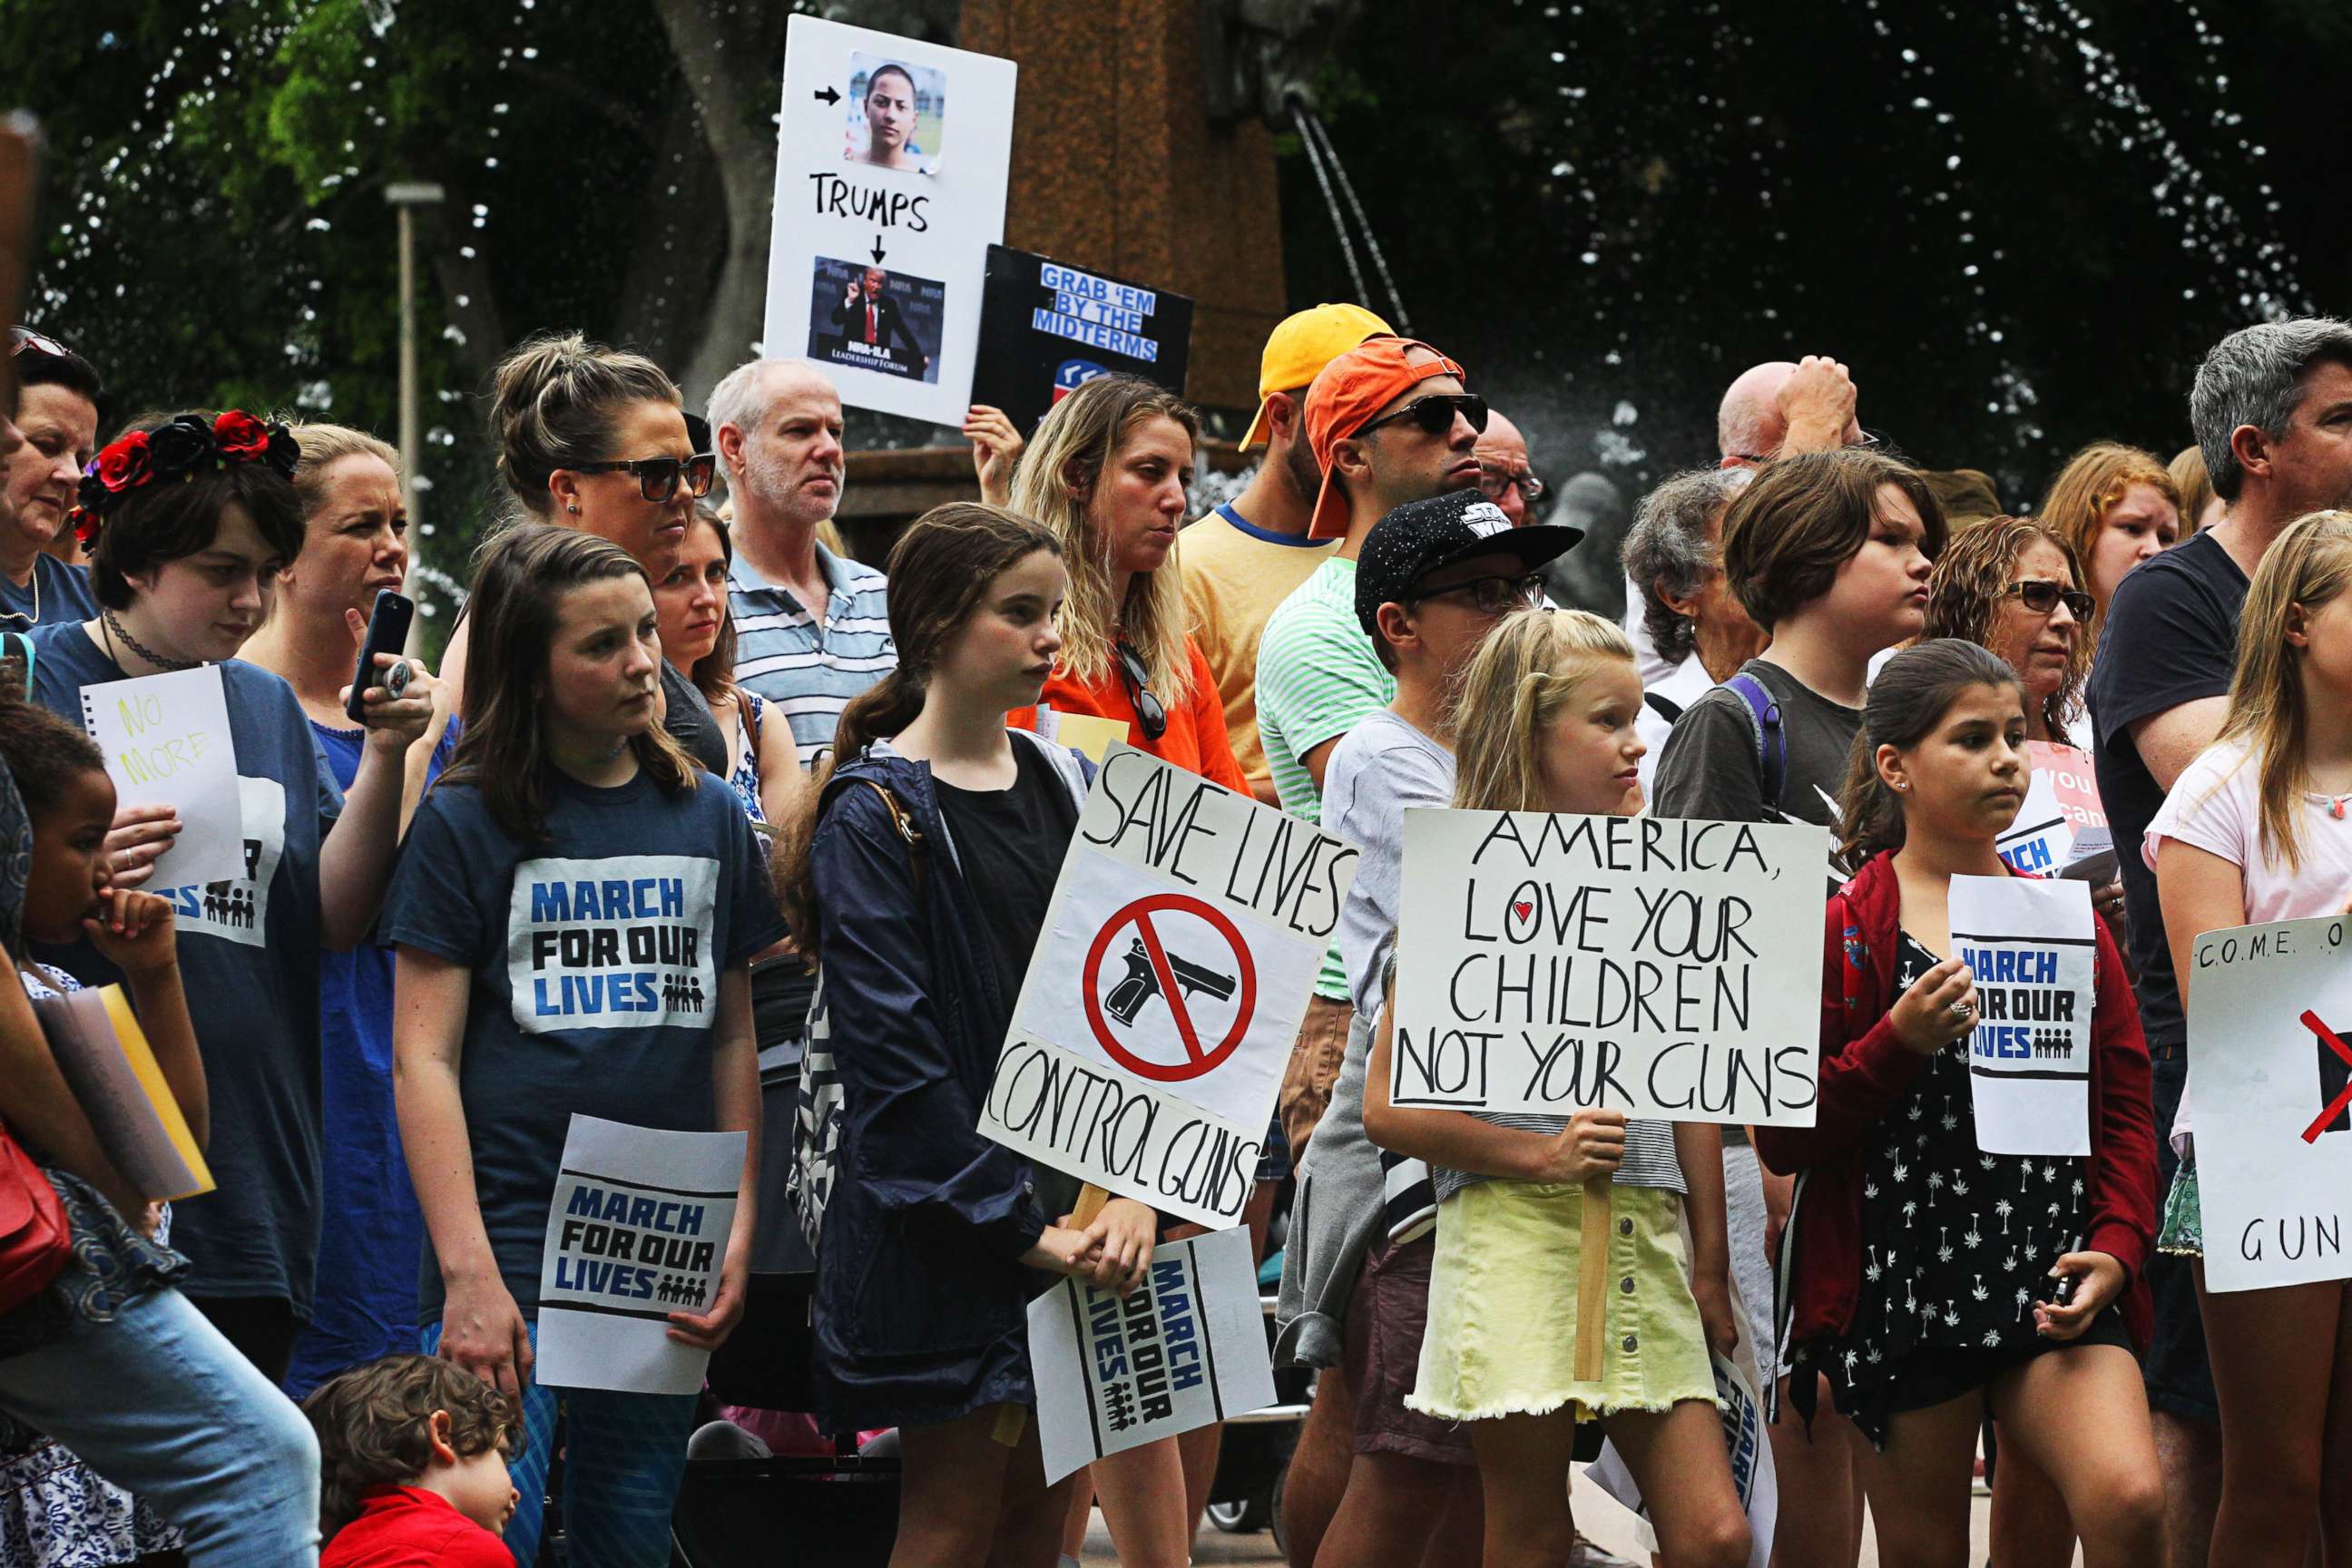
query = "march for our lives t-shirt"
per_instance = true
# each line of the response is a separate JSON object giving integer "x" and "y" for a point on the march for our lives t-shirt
{"x": 596, "y": 955}
{"x": 249, "y": 963}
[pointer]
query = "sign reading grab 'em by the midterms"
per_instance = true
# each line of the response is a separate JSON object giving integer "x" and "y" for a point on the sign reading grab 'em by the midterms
{"x": 1665, "y": 968}
{"x": 2270, "y": 1095}
{"x": 890, "y": 170}
{"x": 1166, "y": 989}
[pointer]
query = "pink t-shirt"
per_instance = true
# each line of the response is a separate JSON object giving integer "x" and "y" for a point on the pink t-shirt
{"x": 2216, "y": 807}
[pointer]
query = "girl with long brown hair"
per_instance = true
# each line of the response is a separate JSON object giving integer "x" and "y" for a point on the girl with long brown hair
{"x": 932, "y": 857}
{"x": 2255, "y": 831}
{"x": 574, "y": 917}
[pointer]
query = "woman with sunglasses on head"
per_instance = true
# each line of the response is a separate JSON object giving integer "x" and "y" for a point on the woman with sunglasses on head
{"x": 355, "y": 545}
{"x": 599, "y": 440}
{"x": 193, "y": 521}
{"x": 57, "y": 408}
{"x": 1106, "y": 471}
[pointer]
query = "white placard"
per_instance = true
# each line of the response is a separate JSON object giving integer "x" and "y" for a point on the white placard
{"x": 2270, "y": 1074}
{"x": 1752, "y": 1474}
{"x": 1184, "y": 1349}
{"x": 637, "y": 1230}
{"x": 1662, "y": 967}
{"x": 2030, "y": 944}
{"x": 167, "y": 743}
{"x": 1166, "y": 989}
{"x": 924, "y": 219}
{"x": 2041, "y": 839}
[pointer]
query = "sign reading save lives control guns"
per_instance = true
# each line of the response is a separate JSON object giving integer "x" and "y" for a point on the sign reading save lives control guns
{"x": 1166, "y": 989}
{"x": 890, "y": 168}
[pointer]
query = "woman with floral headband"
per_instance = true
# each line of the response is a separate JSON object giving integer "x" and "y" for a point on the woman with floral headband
{"x": 188, "y": 524}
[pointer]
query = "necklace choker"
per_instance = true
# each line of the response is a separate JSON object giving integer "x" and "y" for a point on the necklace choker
{"x": 114, "y": 629}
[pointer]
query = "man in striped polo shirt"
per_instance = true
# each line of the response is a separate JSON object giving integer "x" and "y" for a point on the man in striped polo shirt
{"x": 812, "y": 629}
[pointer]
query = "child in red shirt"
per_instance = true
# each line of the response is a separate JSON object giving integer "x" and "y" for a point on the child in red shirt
{"x": 413, "y": 1466}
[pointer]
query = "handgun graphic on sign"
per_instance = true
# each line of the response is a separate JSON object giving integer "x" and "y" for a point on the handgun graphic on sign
{"x": 1142, "y": 984}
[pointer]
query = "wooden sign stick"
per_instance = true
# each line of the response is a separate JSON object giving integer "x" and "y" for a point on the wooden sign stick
{"x": 1091, "y": 1199}
{"x": 1592, "y": 1282}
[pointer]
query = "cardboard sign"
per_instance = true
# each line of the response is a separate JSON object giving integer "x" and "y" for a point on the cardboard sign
{"x": 2031, "y": 947}
{"x": 2270, "y": 1077}
{"x": 1752, "y": 1473}
{"x": 1166, "y": 990}
{"x": 1046, "y": 330}
{"x": 2074, "y": 783}
{"x": 1089, "y": 734}
{"x": 1664, "y": 968}
{"x": 891, "y": 165}
{"x": 2041, "y": 839}
{"x": 1185, "y": 1348}
{"x": 637, "y": 1230}
{"x": 167, "y": 743}
{"x": 106, "y": 1060}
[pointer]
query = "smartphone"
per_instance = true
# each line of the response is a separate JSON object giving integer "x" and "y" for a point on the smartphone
{"x": 2063, "y": 1294}
{"x": 387, "y": 632}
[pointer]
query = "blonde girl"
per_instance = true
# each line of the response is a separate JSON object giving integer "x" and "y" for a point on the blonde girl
{"x": 2254, "y": 831}
{"x": 1546, "y": 723}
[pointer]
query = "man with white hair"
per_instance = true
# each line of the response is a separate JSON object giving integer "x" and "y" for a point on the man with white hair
{"x": 812, "y": 629}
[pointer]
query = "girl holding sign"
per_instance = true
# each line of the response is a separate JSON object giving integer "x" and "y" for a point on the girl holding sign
{"x": 923, "y": 882}
{"x": 574, "y": 914}
{"x": 2254, "y": 831}
{"x": 190, "y": 523}
{"x": 1546, "y": 721}
{"x": 1930, "y": 1281}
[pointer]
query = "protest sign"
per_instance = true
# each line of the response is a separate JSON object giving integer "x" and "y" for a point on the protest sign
{"x": 2030, "y": 944}
{"x": 2270, "y": 1083}
{"x": 1185, "y": 1348}
{"x": 167, "y": 743}
{"x": 637, "y": 1230}
{"x": 2074, "y": 783}
{"x": 1752, "y": 1473}
{"x": 1088, "y": 734}
{"x": 887, "y": 201}
{"x": 2041, "y": 839}
{"x": 1166, "y": 989}
{"x": 104, "y": 1057}
{"x": 1661, "y": 967}
{"x": 1046, "y": 330}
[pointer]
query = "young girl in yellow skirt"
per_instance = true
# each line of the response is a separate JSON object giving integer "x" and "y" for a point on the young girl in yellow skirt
{"x": 1546, "y": 723}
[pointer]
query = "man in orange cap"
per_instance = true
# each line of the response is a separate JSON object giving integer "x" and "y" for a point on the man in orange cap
{"x": 1244, "y": 559}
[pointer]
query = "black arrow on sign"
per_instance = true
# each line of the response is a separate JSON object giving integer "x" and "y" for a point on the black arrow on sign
{"x": 828, "y": 96}
{"x": 878, "y": 250}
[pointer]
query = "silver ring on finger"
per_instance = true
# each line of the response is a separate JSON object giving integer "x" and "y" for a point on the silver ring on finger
{"x": 1964, "y": 1010}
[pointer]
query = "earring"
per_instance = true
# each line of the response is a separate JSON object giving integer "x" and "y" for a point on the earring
{"x": 572, "y": 507}
{"x": 1902, "y": 784}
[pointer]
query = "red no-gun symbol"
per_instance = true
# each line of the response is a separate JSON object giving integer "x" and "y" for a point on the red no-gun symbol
{"x": 1153, "y": 974}
{"x": 2335, "y": 1106}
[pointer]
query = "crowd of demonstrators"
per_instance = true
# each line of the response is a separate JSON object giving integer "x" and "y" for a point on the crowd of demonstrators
{"x": 894, "y": 761}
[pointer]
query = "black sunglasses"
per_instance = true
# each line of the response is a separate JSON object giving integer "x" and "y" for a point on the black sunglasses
{"x": 1435, "y": 414}
{"x": 1493, "y": 596}
{"x": 2042, "y": 597}
{"x": 658, "y": 477}
{"x": 1149, "y": 713}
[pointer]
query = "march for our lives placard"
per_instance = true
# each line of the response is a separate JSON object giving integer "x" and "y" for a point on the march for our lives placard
{"x": 611, "y": 943}
{"x": 2030, "y": 944}
{"x": 637, "y": 1230}
{"x": 1665, "y": 968}
{"x": 2270, "y": 1097}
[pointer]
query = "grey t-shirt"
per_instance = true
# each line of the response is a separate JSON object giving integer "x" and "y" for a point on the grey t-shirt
{"x": 1380, "y": 769}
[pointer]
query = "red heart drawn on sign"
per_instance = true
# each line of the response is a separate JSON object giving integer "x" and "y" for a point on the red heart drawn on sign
{"x": 1522, "y": 908}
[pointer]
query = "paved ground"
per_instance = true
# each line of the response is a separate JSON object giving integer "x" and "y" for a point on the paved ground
{"x": 1602, "y": 1520}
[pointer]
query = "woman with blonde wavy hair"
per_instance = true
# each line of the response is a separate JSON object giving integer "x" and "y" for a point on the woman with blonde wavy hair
{"x": 2255, "y": 831}
{"x": 1106, "y": 471}
{"x": 1546, "y": 723}
{"x": 2116, "y": 506}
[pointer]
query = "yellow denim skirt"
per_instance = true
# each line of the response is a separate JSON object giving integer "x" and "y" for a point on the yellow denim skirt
{"x": 1502, "y": 1306}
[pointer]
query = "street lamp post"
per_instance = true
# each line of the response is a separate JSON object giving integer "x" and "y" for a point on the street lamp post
{"x": 405, "y": 197}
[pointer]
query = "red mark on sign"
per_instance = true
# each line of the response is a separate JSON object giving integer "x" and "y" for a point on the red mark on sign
{"x": 2335, "y": 1106}
{"x": 1522, "y": 908}
{"x": 1173, "y": 987}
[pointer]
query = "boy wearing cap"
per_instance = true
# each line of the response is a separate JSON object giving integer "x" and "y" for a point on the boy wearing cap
{"x": 1434, "y": 578}
{"x": 1244, "y": 559}
{"x": 1387, "y": 423}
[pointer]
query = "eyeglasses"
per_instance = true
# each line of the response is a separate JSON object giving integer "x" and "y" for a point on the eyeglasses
{"x": 658, "y": 477}
{"x": 1435, "y": 414}
{"x": 2041, "y": 595}
{"x": 1493, "y": 596}
{"x": 1149, "y": 712}
{"x": 1494, "y": 482}
{"x": 23, "y": 338}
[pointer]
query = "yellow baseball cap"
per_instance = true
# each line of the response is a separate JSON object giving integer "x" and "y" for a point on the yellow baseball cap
{"x": 1301, "y": 345}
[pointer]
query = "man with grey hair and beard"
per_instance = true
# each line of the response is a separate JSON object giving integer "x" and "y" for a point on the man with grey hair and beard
{"x": 2272, "y": 410}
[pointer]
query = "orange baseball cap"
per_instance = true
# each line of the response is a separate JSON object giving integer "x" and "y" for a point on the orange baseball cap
{"x": 1301, "y": 345}
{"x": 1346, "y": 394}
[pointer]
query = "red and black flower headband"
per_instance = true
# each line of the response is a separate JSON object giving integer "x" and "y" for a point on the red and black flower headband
{"x": 177, "y": 450}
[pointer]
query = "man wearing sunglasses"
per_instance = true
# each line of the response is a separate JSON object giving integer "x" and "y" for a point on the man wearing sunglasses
{"x": 58, "y": 411}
